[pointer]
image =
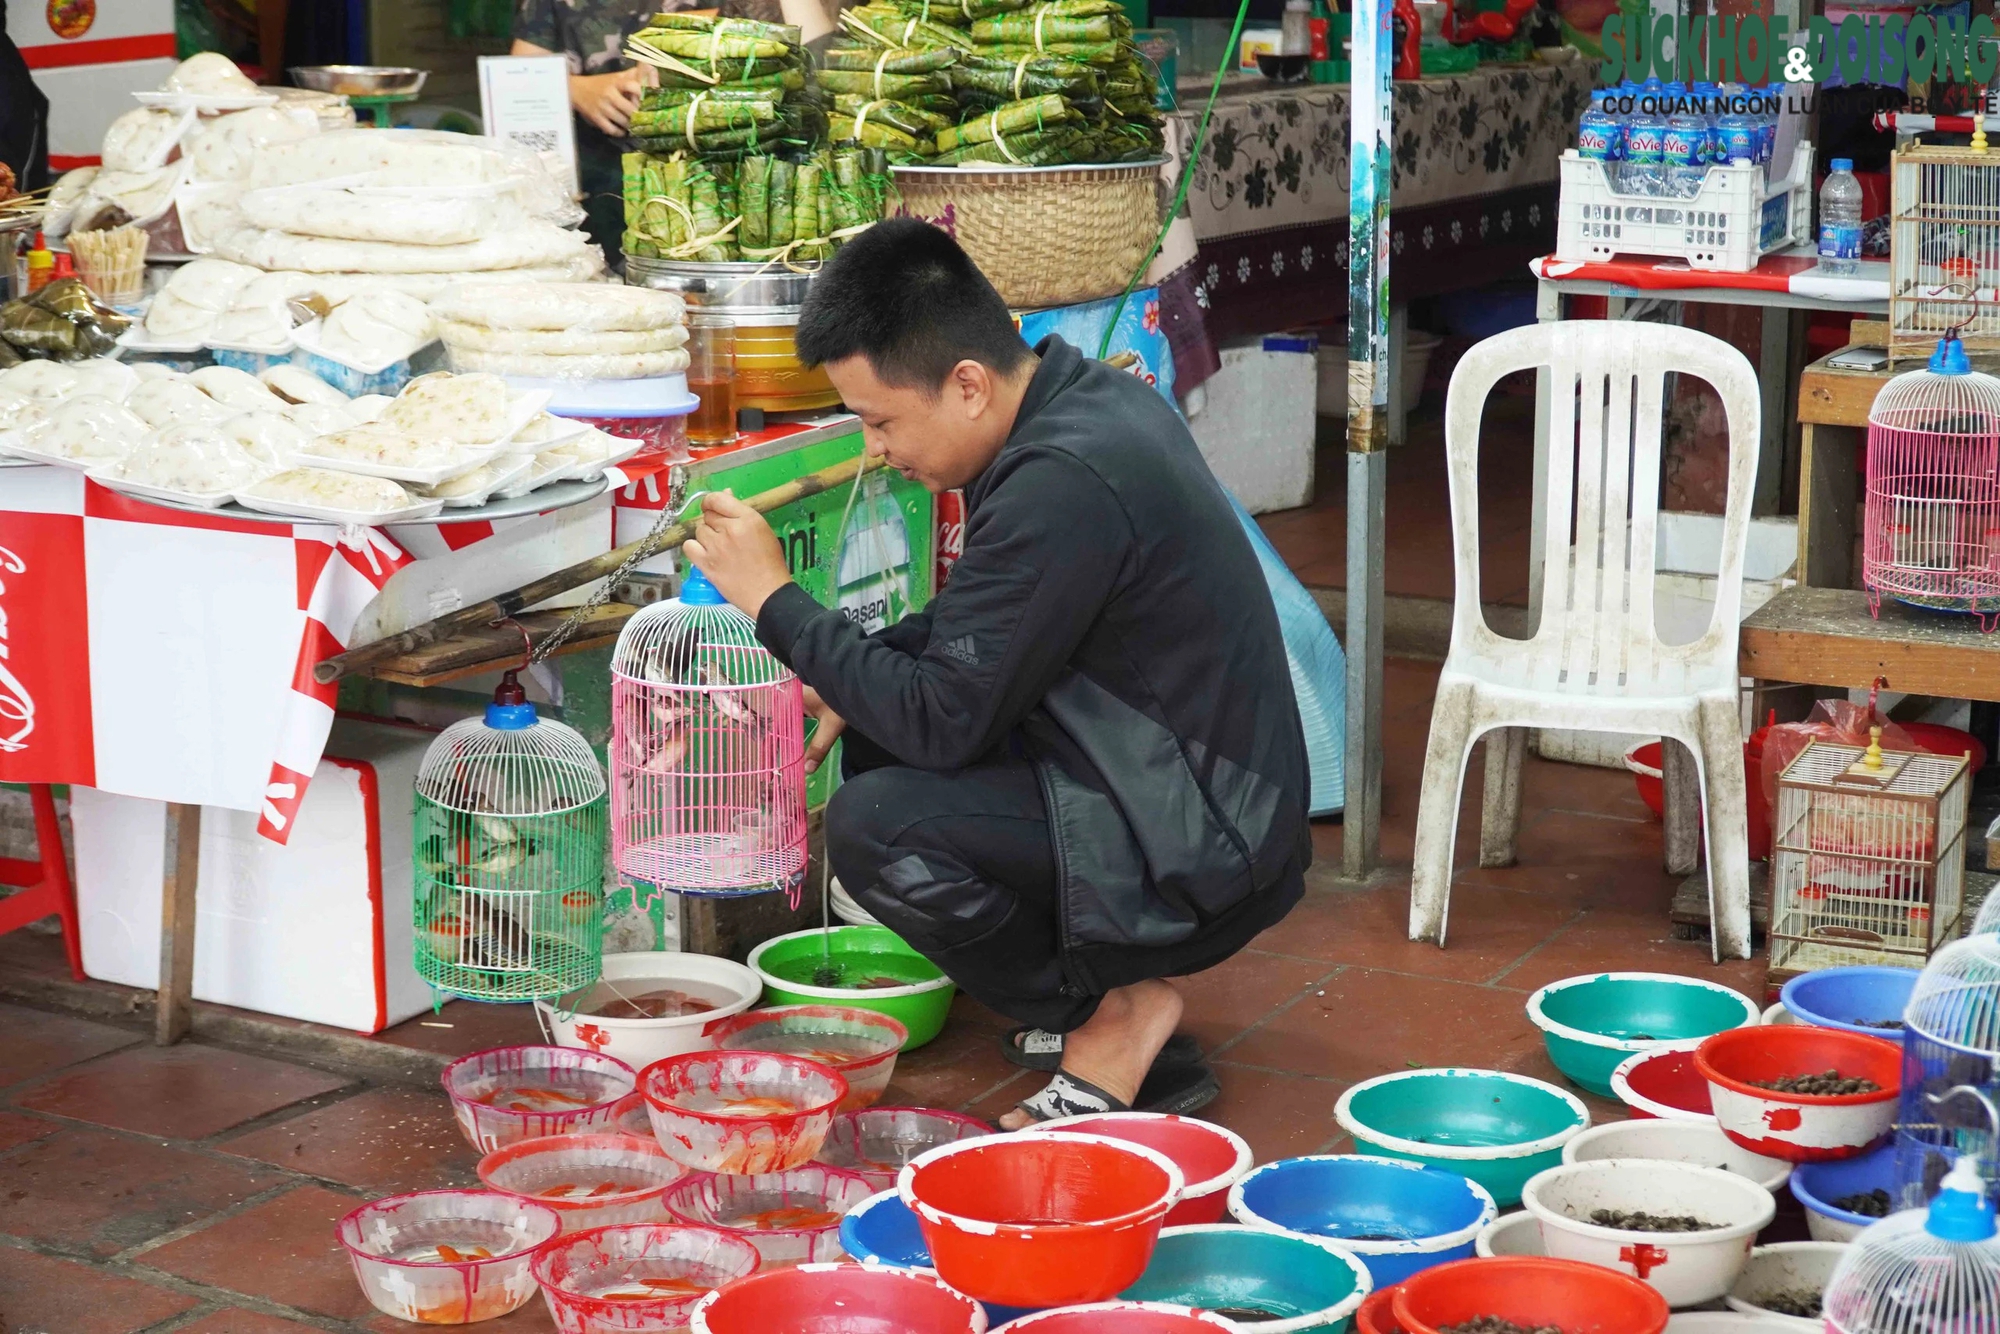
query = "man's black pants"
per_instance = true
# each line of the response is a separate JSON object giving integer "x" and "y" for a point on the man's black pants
{"x": 961, "y": 866}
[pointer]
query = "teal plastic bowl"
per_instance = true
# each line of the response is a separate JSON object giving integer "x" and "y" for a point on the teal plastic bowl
{"x": 1496, "y": 1128}
{"x": 1284, "y": 1282}
{"x": 877, "y": 971}
{"x": 1592, "y": 1023}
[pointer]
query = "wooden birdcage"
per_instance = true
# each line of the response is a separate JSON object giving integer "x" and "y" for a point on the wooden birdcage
{"x": 1868, "y": 857}
{"x": 1944, "y": 249}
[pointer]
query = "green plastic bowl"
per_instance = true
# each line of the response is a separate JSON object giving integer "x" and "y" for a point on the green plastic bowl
{"x": 1593, "y": 1022}
{"x": 919, "y": 1000}
{"x": 1496, "y": 1128}
{"x": 1294, "y": 1284}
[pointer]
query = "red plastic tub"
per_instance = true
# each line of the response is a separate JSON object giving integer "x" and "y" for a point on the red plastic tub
{"x": 1376, "y": 1315}
{"x": 1210, "y": 1158}
{"x": 1644, "y": 761}
{"x": 1531, "y": 1291}
{"x": 1800, "y": 1127}
{"x": 1663, "y": 1083}
{"x": 838, "y": 1299}
{"x": 1119, "y": 1318}
{"x": 1042, "y": 1220}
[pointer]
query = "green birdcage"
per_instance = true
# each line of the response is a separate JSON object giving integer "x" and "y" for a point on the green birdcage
{"x": 510, "y": 830}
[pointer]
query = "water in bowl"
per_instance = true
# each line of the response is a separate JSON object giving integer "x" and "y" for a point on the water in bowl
{"x": 834, "y": 1049}
{"x": 651, "y": 998}
{"x": 853, "y": 970}
{"x": 547, "y": 1090}
{"x": 710, "y": 1102}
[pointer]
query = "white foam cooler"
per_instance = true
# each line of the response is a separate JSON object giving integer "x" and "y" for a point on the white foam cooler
{"x": 318, "y": 929}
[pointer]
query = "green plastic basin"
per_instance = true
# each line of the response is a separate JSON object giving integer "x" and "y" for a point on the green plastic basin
{"x": 1593, "y": 1022}
{"x": 910, "y": 988}
{"x": 1496, "y": 1128}
{"x": 1274, "y": 1282}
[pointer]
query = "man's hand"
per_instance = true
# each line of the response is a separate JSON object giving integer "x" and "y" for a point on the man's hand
{"x": 831, "y": 725}
{"x": 608, "y": 100}
{"x": 738, "y": 552}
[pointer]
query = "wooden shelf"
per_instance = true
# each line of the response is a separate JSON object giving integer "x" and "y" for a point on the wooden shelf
{"x": 1827, "y": 637}
{"x": 498, "y": 647}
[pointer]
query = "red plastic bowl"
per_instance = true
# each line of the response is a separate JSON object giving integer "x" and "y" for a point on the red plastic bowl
{"x": 1376, "y": 1315}
{"x": 1937, "y": 739}
{"x": 575, "y": 1270}
{"x": 1210, "y": 1158}
{"x": 1800, "y": 1127}
{"x": 837, "y": 1299}
{"x": 1118, "y": 1318}
{"x": 1663, "y": 1083}
{"x": 1575, "y": 1297}
{"x": 1043, "y": 1220}
{"x": 1645, "y": 763}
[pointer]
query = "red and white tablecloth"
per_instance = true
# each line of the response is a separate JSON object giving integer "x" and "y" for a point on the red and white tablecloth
{"x": 159, "y": 653}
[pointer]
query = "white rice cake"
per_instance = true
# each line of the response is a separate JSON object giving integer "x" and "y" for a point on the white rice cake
{"x": 468, "y": 409}
{"x": 562, "y": 342}
{"x": 560, "y": 306}
{"x": 325, "y": 489}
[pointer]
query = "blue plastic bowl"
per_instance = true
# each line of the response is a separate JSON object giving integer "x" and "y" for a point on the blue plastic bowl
{"x": 882, "y": 1230}
{"x": 1847, "y": 998}
{"x": 1399, "y": 1217}
{"x": 1593, "y": 1022}
{"x": 1296, "y": 1284}
{"x": 1818, "y": 1185}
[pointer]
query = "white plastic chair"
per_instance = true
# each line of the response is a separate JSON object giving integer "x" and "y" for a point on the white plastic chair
{"x": 1595, "y": 661}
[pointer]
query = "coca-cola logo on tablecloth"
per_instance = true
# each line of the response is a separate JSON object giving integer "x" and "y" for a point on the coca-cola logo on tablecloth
{"x": 17, "y": 706}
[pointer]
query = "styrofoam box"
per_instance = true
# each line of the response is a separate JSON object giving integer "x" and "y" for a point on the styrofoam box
{"x": 1255, "y": 424}
{"x": 1689, "y": 546}
{"x": 318, "y": 929}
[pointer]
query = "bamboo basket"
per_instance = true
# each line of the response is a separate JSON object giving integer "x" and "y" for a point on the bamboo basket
{"x": 1044, "y": 236}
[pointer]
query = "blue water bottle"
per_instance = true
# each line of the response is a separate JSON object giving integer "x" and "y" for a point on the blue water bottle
{"x": 1599, "y": 136}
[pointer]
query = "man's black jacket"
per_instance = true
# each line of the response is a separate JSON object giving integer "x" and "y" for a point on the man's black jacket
{"x": 1109, "y": 616}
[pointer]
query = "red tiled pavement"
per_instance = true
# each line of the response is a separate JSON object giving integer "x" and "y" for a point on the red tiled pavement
{"x": 236, "y": 1320}
{"x": 40, "y": 1294}
{"x": 283, "y": 1250}
{"x": 384, "y": 1140}
{"x": 39, "y": 1043}
{"x": 184, "y": 1092}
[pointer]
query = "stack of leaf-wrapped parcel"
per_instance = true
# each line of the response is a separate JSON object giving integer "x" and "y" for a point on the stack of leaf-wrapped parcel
{"x": 1023, "y": 83}
{"x": 728, "y": 88}
{"x": 768, "y": 206}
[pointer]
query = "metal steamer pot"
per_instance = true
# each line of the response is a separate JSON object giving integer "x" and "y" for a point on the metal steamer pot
{"x": 762, "y": 301}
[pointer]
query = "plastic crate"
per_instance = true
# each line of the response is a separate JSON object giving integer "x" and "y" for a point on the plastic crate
{"x": 1735, "y": 220}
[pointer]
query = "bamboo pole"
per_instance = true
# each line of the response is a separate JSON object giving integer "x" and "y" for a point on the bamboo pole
{"x": 507, "y": 604}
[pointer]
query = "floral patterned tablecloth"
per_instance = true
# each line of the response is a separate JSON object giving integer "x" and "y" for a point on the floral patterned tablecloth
{"x": 1474, "y": 195}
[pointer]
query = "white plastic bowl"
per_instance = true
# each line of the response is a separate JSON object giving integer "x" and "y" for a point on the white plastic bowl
{"x": 640, "y": 1042}
{"x": 1728, "y": 1322}
{"x": 1699, "y": 1142}
{"x": 397, "y": 1247}
{"x": 1518, "y": 1233}
{"x": 1778, "y": 1014}
{"x": 1687, "y": 1268}
{"x": 1789, "y": 1266}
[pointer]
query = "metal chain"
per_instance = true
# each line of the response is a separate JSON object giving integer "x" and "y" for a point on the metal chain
{"x": 645, "y": 550}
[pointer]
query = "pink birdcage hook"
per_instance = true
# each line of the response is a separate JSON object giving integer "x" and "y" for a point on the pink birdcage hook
{"x": 707, "y": 752}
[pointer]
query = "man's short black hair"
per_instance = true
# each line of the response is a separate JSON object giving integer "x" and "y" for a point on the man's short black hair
{"x": 903, "y": 295}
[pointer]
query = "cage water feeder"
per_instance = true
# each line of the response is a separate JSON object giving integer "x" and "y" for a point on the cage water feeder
{"x": 589, "y": 1180}
{"x": 1040, "y": 1220}
{"x": 1593, "y": 1022}
{"x": 860, "y": 1044}
{"x": 791, "y": 1217}
{"x": 1532, "y": 1293}
{"x": 1923, "y": 1270}
{"x": 509, "y": 856}
{"x": 1121, "y": 1318}
{"x": 508, "y": 1094}
{"x": 1800, "y": 1127}
{"x": 1281, "y": 1282}
{"x": 876, "y": 971}
{"x": 639, "y": 1278}
{"x": 1211, "y": 1158}
{"x": 1663, "y": 1084}
{"x": 877, "y": 1142}
{"x": 446, "y": 1257}
{"x": 1839, "y": 1196}
{"x": 838, "y": 1299}
{"x": 610, "y": 1015}
{"x": 743, "y": 1112}
{"x": 1699, "y": 1142}
{"x": 1866, "y": 999}
{"x": 1399, "y": 1217}
{"x": 707, "y": 751}
{"x": 1497, "y": 1129}
{"x": 881, "y": 1230}
{"x": 1688, "y": 1267}
{"x": 1786, "y": 1282}
{"x": 1510, "y": 1234}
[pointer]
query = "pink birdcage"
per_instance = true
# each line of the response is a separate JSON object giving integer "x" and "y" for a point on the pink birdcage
{"x": 1933, "y": 508}
{"x": 708, "y": 792}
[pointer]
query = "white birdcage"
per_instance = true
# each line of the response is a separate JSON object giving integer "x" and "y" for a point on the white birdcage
{"x": 1951, "y": 1043}
{"x": 509, "y": 884}
{"x": 1931, "y": 531}
{"x": 1922, "y": 1271}
{"x": 1944, "y": 248}
{"x": 707, "y": 751}
{"x": 1868, "y": 857}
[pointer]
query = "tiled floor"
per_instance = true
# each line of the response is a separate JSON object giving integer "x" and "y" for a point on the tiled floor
{"x": 195, "y": 1189}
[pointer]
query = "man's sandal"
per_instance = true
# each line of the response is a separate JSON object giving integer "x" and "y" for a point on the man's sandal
{"x": 1037, "y": 1049}
{"x": 1178, "y": 1090}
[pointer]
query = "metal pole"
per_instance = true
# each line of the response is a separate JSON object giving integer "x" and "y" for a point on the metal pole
{"x": 1367, "y": 426}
